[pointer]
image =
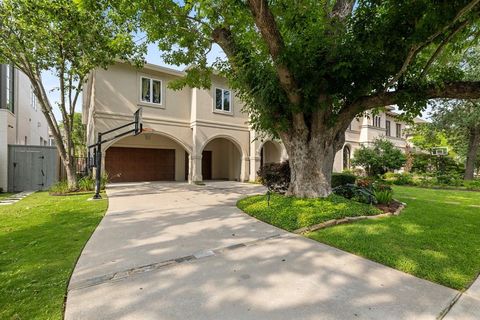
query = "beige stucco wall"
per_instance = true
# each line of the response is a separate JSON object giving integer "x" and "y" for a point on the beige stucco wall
{"x": 188, "y": 118}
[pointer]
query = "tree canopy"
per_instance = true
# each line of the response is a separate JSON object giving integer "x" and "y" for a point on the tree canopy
{"x": 70, "y": 39}
{"x": 305, "y": 69}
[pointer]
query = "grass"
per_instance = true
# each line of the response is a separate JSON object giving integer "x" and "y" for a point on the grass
{"x": 437, "y": 236}
{"x": 4, "y": 195}
{"x": 291, "y": 213}
{"x": 41, "y": 238}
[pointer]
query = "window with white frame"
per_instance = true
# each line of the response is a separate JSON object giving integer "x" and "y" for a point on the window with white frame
{"x": 223, "y": 100}
{"x": 151, "y": 90}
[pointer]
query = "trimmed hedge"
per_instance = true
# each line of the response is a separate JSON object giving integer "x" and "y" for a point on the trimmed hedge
{"x": 276, "y": 177}
{"x": 341, "y": 179}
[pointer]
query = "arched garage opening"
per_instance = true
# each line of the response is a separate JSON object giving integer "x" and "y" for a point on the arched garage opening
{"x": 221, "y": 160}
{"x": 146, "y": 157}
{"x": 270, "y": 153}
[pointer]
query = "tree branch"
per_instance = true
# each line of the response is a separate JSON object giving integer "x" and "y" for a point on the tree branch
{"x": 342, "y": 9}
{"x": 265, "y": 22}
{"x": 415, "y": 49}
{"x": 450, "y": 90}
{"x": 442, "y": 46}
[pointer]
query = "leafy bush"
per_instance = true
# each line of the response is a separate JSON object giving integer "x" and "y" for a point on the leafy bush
{"x": 59, "y": 188}
{"x": 366, "y": 183}
{"x": 384, "y": 196}
{"x": 356, "y": 193}
{"x": 449, "y": 180}
{"x": 381, "y": 157}
{"x": 472, "y": 184}
{"x": 86, "y": 184}
{"x": 275, "y": 176}
{"x": 340, "y": 179}
{"x": 402, "y": 179}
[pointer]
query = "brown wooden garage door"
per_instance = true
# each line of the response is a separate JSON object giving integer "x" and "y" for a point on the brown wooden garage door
{"x": 140, "y": 164}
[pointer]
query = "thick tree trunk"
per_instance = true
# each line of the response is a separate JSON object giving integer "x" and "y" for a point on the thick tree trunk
{"x": 71, "y": 176}
{"x": 311, "y": 171}
{"x": 311, "y": 153}
{"x": 472, "y": 152}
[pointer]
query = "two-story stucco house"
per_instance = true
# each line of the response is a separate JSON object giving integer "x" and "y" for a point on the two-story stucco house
{"x": 192, "y": 134}
{"x": 21, "y": 120}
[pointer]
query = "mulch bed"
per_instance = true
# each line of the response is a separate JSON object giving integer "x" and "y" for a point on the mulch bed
{"x": 392, "y": 207}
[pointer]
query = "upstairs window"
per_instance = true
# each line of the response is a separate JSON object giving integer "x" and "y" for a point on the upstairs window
{"x": 223, "y": 100}
{"x": 387, "y": 126}
{"x": 151, "y": 90}
{"x": 377, "y": 121}
{"x": 399, "y": 130}
{"x": 33, "y": 99}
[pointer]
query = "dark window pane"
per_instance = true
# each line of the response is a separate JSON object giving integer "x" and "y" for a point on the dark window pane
{"x": 218, "y": 99}
{"x": 157, "y": 91}
{"x": 226, "y": 100}
{"x": 146, "y": 89}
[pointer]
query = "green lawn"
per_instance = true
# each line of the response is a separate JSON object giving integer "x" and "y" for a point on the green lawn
{"x": 437, "y": 236}
{"x": 4, "y": 195}
{"x": 291, "y": 213}
{"x": 41, "y": 238}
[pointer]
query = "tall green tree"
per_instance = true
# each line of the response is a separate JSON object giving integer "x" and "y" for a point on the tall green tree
{"x": 460, "y": 121}
{"x": 69, "y": 39}
{"x": 307, "y": 68}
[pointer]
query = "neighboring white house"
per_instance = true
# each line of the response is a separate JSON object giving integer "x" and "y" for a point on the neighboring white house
{"x": 193, "y": 134}
{"x": 21, "y": 120}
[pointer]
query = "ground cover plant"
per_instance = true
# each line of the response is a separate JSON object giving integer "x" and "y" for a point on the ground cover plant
{"x": 41, "y": 238}
{"x": 291, "y": 213}
{"x": 435, "y": 237}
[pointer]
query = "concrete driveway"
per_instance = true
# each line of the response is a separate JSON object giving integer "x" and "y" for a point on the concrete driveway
{"x": 179, "y": 251}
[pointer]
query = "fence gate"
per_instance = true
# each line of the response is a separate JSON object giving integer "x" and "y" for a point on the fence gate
{"x": 31, "y": 167}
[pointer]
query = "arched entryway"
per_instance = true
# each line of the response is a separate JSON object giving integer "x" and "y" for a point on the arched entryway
{"x": 146, "y": 157}
{"x": 221, "y": 160}
{"x": 270, "y": 153}
{"x": 346, "y": 157}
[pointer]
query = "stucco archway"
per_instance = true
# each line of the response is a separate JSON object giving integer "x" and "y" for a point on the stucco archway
{"x": 222, "y": 159}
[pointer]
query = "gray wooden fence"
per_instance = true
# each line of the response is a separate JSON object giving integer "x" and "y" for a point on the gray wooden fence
{"x": 31, "y": 167}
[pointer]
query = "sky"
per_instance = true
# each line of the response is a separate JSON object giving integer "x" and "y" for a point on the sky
{"x": 153, "y": 56}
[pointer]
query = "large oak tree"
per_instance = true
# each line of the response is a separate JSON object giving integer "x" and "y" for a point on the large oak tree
{"x": 307, "y": 68}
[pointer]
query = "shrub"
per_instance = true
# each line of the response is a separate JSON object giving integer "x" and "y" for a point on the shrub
{"x": 402, "y": 179}
{"x": 472, "y": 184}
{"x": 384, "y": 196}
{"x": 86, "y": 184}
{"x": 275, "y": 176}
{"x": 449, "y": 180}
{"x": 59, "y": 188}
{"x": 356, "y": 193}
{"x": 340, "y": 179}
{"x": 381, "y": 157}
{"x": 366, "y": 183}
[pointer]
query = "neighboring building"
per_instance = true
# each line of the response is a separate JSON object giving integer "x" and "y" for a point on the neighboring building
{"x": 192, "y": 134}
{"x": 21, "y": 120}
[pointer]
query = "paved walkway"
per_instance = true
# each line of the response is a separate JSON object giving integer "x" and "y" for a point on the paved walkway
{"x": 178, "y": 251}
{"x": 468, "y": 305}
